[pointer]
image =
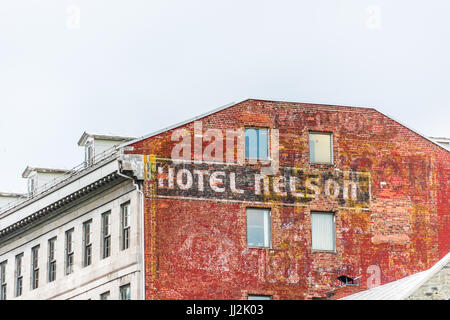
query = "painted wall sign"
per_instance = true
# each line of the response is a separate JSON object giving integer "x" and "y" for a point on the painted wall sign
{"x": 246, "y": 183}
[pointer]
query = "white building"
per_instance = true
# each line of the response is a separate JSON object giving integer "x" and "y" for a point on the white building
{"x": 445, "y": 142}
{"x": 77, "y": 234}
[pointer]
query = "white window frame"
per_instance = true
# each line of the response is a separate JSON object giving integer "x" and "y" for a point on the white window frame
{"x": 87, "y": 243}
{"x": 106, "y": 235}
{"x": 52, "y": 259}
{"x": 259, "y": 297}
{"x": 35, "y": 267}
{"x": 333, "y": 214}
{"x": 3, "y": 286}
{"x": 125, "y": 229}
{"x": 89, "y": 153}
{"x": 125, "y": 287}
{"x": 268, "y": 145}
{"x": 267, "y": 228}
{"x": 19, "y": 275}
{"x": 70, "y": 256}
{"x": 331, "y": 147}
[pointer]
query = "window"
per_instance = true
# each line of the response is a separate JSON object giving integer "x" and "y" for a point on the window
{"x": 125, "y": 223}
{"x": 125, "y": 292}
{"x": 89, "y": 153}
{"x": 69, "y": 251}
{"x": 3, "y": 280}
{"x": 323, "y": 231}
{"x": 258, "y": 228}
{"x": 320, "y": 147}
{"x": 257, "y": 143}
{"x": 105, "y": 296}
{"x": 31, "y": 185}
{"x": 106, "y": 234}
{"x": 35, "y": 267}
{"x": 255, "y": 297}
{"x": 52, "y": 259}
{"x": 19, "y": 274}
{"x": 87, "y": 240}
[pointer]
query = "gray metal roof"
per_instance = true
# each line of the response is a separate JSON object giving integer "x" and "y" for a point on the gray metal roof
{"x": 402, "y": 288}
{"x": 85, "y": 135}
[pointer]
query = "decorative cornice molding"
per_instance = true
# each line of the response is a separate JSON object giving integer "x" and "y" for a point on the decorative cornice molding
{"x": 59, "y": 204}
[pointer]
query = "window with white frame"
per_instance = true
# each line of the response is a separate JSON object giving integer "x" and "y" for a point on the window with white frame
{"x": 323, "y": 233}
{"x": 258, "y": 228}
{"x": 258, "y": 297}
{"x": 19, "y": 274}
{"x": 257, "y": 143}
{"x": 35, "y": 267}
{"x": 32, "y": 185}
{"x": 125, "y": 225}
{"x": 89, "y": 154}
{"x": 52, "y": 259}
{"x": 87, "y": 243}
{"x": 69, "y": 251}
{"x": 106, "y": 234}
{"x": 321, "y": 147}
{"x": 105, "y": 295}
{"x": 3, "y": 280}
{"x": 125, "y": 292}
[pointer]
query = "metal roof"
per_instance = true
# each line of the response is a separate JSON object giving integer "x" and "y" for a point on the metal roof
{"x": 402, "y": 288}
{"x": 85, "y": 135}
{"x": 29, "y": 169}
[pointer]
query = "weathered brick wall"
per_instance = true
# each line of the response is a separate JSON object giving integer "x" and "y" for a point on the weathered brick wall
{"x": 197, "y": 248}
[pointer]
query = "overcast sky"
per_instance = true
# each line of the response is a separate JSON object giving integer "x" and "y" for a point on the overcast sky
{"x": 131, "y": 67}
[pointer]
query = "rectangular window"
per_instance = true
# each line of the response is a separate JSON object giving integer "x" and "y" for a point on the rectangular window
{"x": 255, "y": 297}
{"x": 320, "y": 147}
{"x": 257, "y": 143}
{"x": 89, "y": 153}
{"x": 258, "y": 228}
{"x": 3, "y": 280}
{"x": 323, "y": 231}
{"x": 125, "y": 293}
{"x": 19, "y": 274}
{"x": 69, "y": 251}
{"x": 35, "y": 267}
{"x": 52, "y": 259}
{"x": 87, "y": 240}
{"x": 105, "y": 296}
{"x": 106, "y": 234}
{"x": 125, "y": 225}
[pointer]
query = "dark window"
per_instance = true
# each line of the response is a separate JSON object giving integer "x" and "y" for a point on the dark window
{"x": 3, "y": 280}
{"x": 51, "y": 260}
{"x": 125, "y": 293}
{"x": 87, "y": 240}
{"x": 35, "y": 267}
{"x": 69, "y": 251}
{"x": 19, "y": 274}
{"x": 106, "y": 234}
{"x": 125, "y": 225}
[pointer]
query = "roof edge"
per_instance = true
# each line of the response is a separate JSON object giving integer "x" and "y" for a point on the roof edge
{"x": 179, "y": 124}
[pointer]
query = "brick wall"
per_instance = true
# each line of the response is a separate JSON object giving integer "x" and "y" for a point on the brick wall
{"x": 196, "y": 245}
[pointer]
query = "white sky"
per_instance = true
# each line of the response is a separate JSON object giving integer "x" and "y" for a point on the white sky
{"x": 136, "y": 66}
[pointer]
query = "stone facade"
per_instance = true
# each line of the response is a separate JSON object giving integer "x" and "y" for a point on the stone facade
{"x": 436, "y": 288}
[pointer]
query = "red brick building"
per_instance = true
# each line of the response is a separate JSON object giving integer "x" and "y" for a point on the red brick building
{"x": 380, "y": 202}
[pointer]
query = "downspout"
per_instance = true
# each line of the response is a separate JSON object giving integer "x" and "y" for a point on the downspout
{"x": 141, "y": 205}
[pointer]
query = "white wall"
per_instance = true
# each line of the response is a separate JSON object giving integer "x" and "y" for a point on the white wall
{"x": 102, "y": 275}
